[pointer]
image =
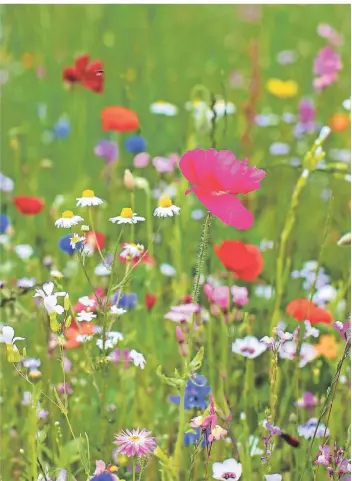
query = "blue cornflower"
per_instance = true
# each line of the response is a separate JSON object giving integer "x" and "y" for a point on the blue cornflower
{"x": 102, "y": 477}
{"x": 192, "y": 436}
{"x": 62, "y": 128}
{"x": 127, "y": 300}
{"x": 196, "y": 393}
{"x": 65, "y": 244}
{"x": 135, "y": 144}
{"x": 4, "y": 223}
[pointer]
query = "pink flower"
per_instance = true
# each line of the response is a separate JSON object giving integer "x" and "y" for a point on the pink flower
{"x": 135, "y": 442}
{"x": 308, "y": 400}
{"x": 324, "y": 456}
{"x": 326, "y": 65}
{"x": 182, "y": 313}
{"x": 219, "y": 295}
{"x": 240, "y": 295}
{"x": 328, "y": 32}
{"x": 217, "y": 433}
{"x": 217, "y": 177}
{"x": 165, "y": 164}
{"x": 141, "y": 160}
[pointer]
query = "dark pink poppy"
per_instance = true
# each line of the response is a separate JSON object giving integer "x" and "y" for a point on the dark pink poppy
{"x": 217, "y": 177}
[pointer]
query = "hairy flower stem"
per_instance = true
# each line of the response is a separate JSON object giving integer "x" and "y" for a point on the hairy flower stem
{"x": 195, "y": 453}
{"x": 33, "y": 434}
{"x": 202, "y": 254}
{"x": 181, "y": 427}
{"x": 285, "y": 235}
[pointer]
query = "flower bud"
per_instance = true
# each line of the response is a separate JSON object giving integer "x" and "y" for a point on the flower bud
{"x": 129, "y": 180}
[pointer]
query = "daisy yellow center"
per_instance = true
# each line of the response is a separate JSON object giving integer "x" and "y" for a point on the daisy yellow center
{"x": 127, "y": 213}
{"x": 165, "y": 202}
{"x": 88, "y": 193}
{"x": 75, "y": 238}
{"x": 67, "y": 214}
{"x": 135, "y": 438}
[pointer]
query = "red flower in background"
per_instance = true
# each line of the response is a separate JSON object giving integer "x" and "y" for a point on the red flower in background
{"x": 99, "y": 293}
{"x": 95, "y": 239}
{"x": 120, "y": 119}
{"x": 305, "y": 310}
{"x": 245, "y": 260}
{"x": 150, "y": 300}
{"x": 28, "y": 205}
{"x": 90, "y": 75}
{"x": 73, "y": 332}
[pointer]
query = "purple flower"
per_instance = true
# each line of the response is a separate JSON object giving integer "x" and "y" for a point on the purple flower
{"x": 306, "y": 112}
{"x": 326, "y": 65}
{"x": 324, "y": 456}
{"x": 108, "y": 150}
{"x": 343, "y": 328}
{"x": 64, "y": 388}
{"x": 308, "y": 400}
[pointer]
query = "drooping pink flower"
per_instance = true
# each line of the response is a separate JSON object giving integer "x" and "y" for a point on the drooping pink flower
{"x": 135, "y": 442}
{"x": 220, "y": 295}
{"x": 216, "y": 178}
{"x": 326, "y": 65}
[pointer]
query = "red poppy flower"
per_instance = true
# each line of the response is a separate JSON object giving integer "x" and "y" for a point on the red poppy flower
{"x": 28, "y": 205}
{"x": 245, "y": 260}
{"x": 95, "y": 239}
{"x": 150, "y": 300}
{"x": 73, "y": 332}
{"x": 90, "y": 75}
{"x": 305, "y": 310}
{"x": 120, "y": 119}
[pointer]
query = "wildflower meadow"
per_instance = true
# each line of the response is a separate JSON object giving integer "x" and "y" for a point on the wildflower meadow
{"x": 175, "y": 242}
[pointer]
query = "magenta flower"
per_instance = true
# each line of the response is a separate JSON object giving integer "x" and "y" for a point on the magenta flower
{"x": 135, "y": 442}
{"x": 107, "y": 149}
{"x": 306, "y": 113}
{"x": 324, "y": 456}
{"x": 216, "y": 178}
{"x": 326, "y": 65}
{"x": 308, "y": 400}
{"x": 344, "y": 328}
{"x": 64, "y": 388}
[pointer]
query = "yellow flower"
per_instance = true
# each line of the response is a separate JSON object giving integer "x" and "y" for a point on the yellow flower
{"x": 327, "y": 346}
{"x": 281, "y": 88}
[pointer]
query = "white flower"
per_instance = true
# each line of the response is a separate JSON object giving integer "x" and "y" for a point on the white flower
{"x": 76, "y": 239}
{"x": 325, "y": 294}
{"x": 267, "y": 120}
{"x": 26, "y": 282}
{"x": 307, "y": 354}
{"x": 102, "y": 270}
{"x": 56, "y": 273}
{"x": 310, "y": 266}
{"x": 137, "y": 358}
{"x": 279, "y": 148}
{"x": 132, "y": 250}
{"x": 346, "y": 104}
{"x": 24, "y": 251}
{"x": 289, "y": 117}
{"x": 197, "y": 214}
{"x": 307, "y": 429}
{"x": 118, "y": 311}
{"x": 324, "y": 133}
{"x": 127, "y": 216}
{"x": 50, "y": 297}
{"x": 6, "y": 184}
{"x": 167, "y": 270}
{"x": 163, "y": 108}
{"x": 7, "y": 336}
{"x": 84, "y": 338}
{"x": 112, "y": 338}
{"x": 263, "y": 291}
{"x": 273, "y": 477}
{"x": 229, "y": 469}
{"x": 249, "y": 347}
{"x": 68, "y": 219}
{"x": 310, "y": 331}
{"x": 31, "y": 363}
{"x": 88, "y": 199}
{"x": 85, "y": 316}
{"x": 166, "y": 208}
{"x": 86, "y": 301}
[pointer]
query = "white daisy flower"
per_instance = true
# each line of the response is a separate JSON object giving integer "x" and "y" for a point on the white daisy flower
{"x": 86, "y": 301}
{"x": 112, "y": 338}
{"x": 118, "y": 311}
{"x": 85, "y": 316}
{"x": 68, "y": 219}
{"x": 88, "y": 199}
{"x": 163, "y": 108}
{"x": 137, "y": 358}
{"x": 76, "y": 239}
{"x": 166, "y": 208}
{"x": 131, "y": 250}
{"x": 126, "y": 217}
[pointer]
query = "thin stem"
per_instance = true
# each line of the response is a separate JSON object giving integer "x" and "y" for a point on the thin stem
{"x": 181, "y": 426}
{"x": 134, "y": 469}
{"x": 90, "y": 214}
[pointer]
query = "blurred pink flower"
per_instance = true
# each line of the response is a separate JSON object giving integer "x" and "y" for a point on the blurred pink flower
{"x": 141, "y": 160}
{"x": 182, "y": 313}
{"x": 240, "y": 295}
{"x": 216, "y": 178}
{"x": 219, "y": 295}
{"x": 165, "y": 164}
{"x": 328, "y": 32}
{"x": 326, "y": 65}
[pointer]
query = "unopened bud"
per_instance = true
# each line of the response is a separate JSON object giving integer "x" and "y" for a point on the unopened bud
{"x": 67, "y": 303}
{"x": 324, "y": 133}
{"x": 129, "y": 180}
